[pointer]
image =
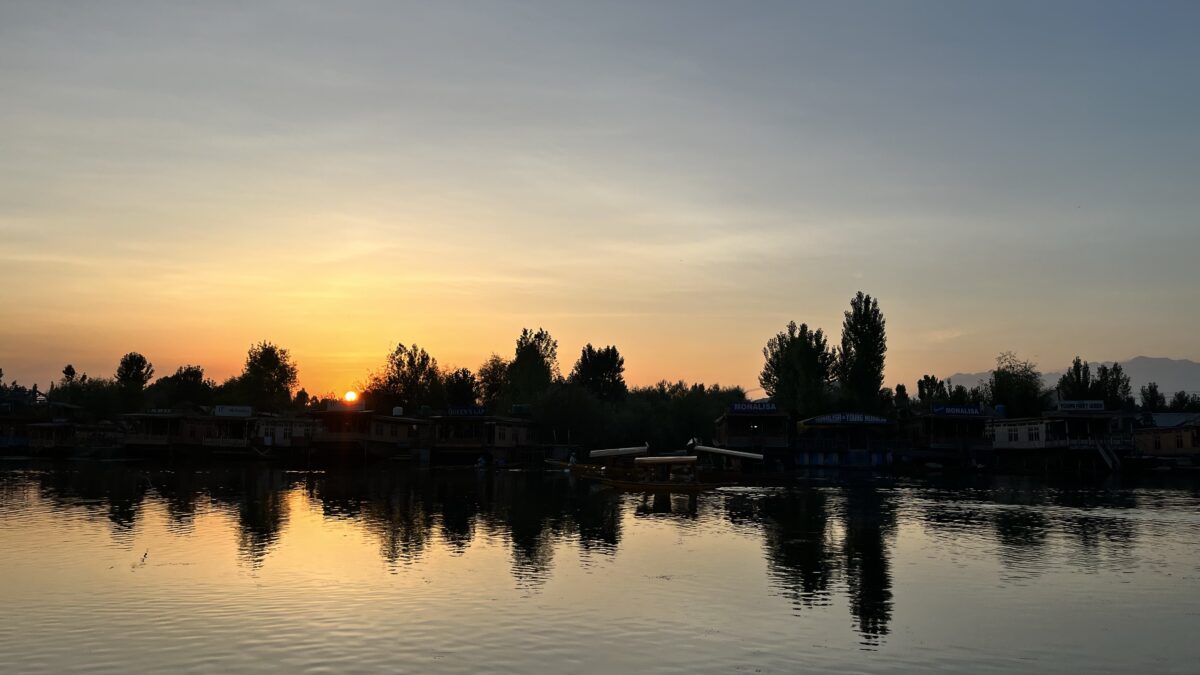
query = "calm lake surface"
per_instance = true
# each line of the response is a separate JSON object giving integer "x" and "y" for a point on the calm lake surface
{"x": 111, "y": 567}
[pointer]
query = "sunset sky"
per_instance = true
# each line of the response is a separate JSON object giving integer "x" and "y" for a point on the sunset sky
{"x": 678, "y": 179}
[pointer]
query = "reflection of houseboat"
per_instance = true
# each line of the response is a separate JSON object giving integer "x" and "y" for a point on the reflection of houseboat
{"x": 1079, "y": 435}
{"x": 848, "y": 440}
{"x": 951, "y": 435}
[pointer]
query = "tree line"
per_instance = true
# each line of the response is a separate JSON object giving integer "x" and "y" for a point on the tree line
{"x": 592, "y": 404}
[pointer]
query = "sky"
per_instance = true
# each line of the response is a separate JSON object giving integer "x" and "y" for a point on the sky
{"x": 679, "y": 179}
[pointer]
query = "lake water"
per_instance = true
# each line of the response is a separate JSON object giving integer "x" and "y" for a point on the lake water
{"x": 110, "y": 567}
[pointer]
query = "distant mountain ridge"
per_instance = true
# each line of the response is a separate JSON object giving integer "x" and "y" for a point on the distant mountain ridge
{"x": 1172, "y": 375}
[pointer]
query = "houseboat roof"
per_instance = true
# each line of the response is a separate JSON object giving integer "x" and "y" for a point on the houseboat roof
{"x": 486, "y": 419}
{"x": 404, "y": 419}
{"x": 1173, "y": 420}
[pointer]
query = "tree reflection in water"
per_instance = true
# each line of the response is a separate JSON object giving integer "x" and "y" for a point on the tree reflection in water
{"x": 818, "y": 540}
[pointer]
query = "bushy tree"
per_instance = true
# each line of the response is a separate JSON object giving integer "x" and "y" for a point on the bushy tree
{"x": 534, "y": 366}
{"x": 601, "y": 372}
{"x": 266, "y": 381}
{"x": 798, "y": 369}
{"x": 931, "y": 390}
{"x": 1076, "y": 383}
{"x": 902, "y": 401}
{"x": 862, "y": 356}
{"x": 409, "y": 378}
{"x": 461, "y": 387}
{"x": 1152, "y": 399}
{"x": 187, "y": 386}
{"x": 1016, "y": 385}
{"x": 1182, "y": 402}
{"x": 133, "y": 374}
{"x": 493, "y": 382}
{"x": 1112, "y": 386}
{"x": 668, "y": 414}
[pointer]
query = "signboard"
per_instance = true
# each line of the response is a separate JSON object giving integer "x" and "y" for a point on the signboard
{"x": 753, "y": 408}
{"x": 967, "y": 409}
{"x": 233, "y": 411}
{"x": 1081, "y": 406}
{"x": 846, "y": 418}
{"x": 466, "y": 411}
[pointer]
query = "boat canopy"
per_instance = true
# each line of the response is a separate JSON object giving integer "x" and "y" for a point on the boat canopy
{"x": 666, "y": 459}
{"x": 618, "y": 452}
{"x": 727, "y": 452}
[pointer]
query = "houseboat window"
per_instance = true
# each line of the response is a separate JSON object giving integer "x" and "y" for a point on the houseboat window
{"x": 1013, "y": 435}
{"x": 1035, "y": 434}
{"x": 1157, "y": 442}
{"x": 502, "y": 433}
{"x": 395, "y": 430}
{"x": 1179, "y": 439}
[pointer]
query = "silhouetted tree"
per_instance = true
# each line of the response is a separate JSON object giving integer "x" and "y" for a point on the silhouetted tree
{"x": 1017, "y": 385}
{"x": 931, "y": 390}
{"x": 1076, "y": 383}
{"x": 797, "y": 370}
{"x": 1152, "y": 399}
{"x": 493, "y": 381}
{"x": 133, "y": 374}
{"x": 187, "y": 386}
{"x": 863, "y": 353}
{"x": 534, "y": 365}
{"x": 267, "y": 379}
{"x": 68, "y": 374}
{"x": 667, "y": 414}
{"x": 601, "y": 371}
{"x": 410, "y": 378}
{"x": 902, "y": 401}
{"x": 461, "y": 387}
{"x": 1112, "y": 386}
{"x": 301, "y": 400}
{"x": 1182, "y": 402}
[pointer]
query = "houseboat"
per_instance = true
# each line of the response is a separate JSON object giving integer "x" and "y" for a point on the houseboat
{"x": 845, "y": 440}
{"x": 1169, "y": 439}
{"x": 1078, "y": 435}
{"x": 948, "y": 435}
{"x": 470, "y": 435}
{"x": 348, "y": 432}
{"x": 756, "y": 427}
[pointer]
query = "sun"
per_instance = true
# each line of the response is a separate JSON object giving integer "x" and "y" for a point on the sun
{"x": 351, "y": 397}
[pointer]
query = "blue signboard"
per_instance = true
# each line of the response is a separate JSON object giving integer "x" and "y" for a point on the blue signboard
{"x": 965, "y": 409}
{"x": 466, "y": 411}
{"x": 846, "y": 418}
{"x": 759, "y": 407}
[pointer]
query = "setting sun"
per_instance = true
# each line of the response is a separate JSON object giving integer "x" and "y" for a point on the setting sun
{"x": 351, "y": 397}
